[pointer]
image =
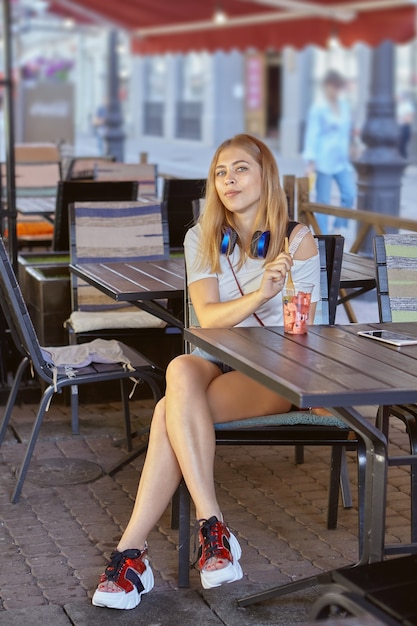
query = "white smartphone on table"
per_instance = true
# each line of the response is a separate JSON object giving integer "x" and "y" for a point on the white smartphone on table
{"x": 388, "y": 336}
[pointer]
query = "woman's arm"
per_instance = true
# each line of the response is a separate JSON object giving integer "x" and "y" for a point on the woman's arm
{"x": 212, "y": 313}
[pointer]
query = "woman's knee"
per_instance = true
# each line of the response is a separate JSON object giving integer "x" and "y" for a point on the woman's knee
{"x": 189, "y": 371}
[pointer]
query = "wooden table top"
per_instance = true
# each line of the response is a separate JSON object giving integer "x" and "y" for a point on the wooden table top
{"x": 158, "y": 279}
{"x": 330, "y": 366}
{"x": 42, "y": 205}
{"x": 135, "y": 280}
{"x": 357, "y": 271}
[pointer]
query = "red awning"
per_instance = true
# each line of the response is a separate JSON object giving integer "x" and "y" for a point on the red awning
{"x": 160, "y": 26}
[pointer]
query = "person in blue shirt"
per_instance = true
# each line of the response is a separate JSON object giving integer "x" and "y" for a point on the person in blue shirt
{"x": 99, "y": 126}
{"x": 327, "y": 147}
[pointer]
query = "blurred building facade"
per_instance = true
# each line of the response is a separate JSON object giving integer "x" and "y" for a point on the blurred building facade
{"x": 198, "y": 97}
{"x": 203, "y": 97}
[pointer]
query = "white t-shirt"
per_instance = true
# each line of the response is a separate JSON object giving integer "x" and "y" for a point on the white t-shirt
{"x": 249, "y": 277}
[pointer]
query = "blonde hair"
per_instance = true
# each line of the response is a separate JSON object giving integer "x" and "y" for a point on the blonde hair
{"x": 272, "y": 212}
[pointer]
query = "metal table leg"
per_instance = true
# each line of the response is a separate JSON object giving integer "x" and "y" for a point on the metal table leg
{"x": 375, "y": 499}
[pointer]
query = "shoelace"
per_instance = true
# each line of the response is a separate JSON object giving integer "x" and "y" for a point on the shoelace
{"x": 117, "y": 560}
{"x": 210, "y": 531}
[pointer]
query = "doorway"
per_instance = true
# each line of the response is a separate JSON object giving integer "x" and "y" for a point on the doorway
{"x": 273, "y": 94}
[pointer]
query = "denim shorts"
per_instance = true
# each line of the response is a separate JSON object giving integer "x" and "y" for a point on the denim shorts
{"x": 209, "y": 357}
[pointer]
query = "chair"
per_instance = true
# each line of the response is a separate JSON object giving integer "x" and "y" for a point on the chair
{"x": 36, "y": 153}
{"x": 178, "y": 194}
{"x": 396, "y": 274}
{"x": 84, "y": 191}
{"x": 83, "y": 168}
{"x": 144, "y": 173}
{"x": 111, "y": 231}
{"x": 35, "y": 179}
{"x": 24, "y": 336}
{"x": 396, "y": 278}
{"x": 293, "y": 428}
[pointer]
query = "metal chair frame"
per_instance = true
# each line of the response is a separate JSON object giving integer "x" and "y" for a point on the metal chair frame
{"x": 24, "y": 336}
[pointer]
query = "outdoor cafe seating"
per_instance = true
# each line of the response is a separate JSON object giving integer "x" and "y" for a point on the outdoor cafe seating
{"x": 332, "y": 433}
{"x": 34, "y": 179}
{"x": 116, "y": 361}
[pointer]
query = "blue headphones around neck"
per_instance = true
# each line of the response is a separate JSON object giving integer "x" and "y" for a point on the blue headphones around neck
{"x": 258, "y": 247}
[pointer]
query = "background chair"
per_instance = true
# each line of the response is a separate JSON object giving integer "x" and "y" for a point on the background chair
{"x": 37, "y": 153}
{"x": 34, "y": 179}
{"x": 83, "y": 168}
{"x": 293, "y": 428}
{"x": 396, "y": 278}
{"x": 111, "y": 231}
{"x": 396, "y": 274}
{"x": 26, "y": 341}
{"x": 178, "y": 194}
{"x": 37, "y": 179}
{"x": 119, "y": 231}
{"x": 84, "y": 191}
{"x": 144, "y": 173}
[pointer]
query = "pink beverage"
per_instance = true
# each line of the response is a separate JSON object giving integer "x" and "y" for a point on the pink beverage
{"x": 296, "y": 309}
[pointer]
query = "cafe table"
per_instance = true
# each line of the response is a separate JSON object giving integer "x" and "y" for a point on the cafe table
{"x": 332, "y": 367}
{"x": 145, "y": 284}
{"x": 42, "y": 206}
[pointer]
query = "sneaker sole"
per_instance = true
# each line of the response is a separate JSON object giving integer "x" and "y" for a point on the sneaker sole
{"x": 122, "y": 599}
{"x": 228, "y": 574}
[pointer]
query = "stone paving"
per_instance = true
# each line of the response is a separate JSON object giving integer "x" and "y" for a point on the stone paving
{"x": 57, "y": 538}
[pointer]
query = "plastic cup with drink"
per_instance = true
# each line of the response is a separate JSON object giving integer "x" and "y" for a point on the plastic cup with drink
{"x": 296, "y": 300}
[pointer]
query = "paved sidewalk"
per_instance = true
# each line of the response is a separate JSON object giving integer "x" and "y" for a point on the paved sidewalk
{"x": 56, "y": 539}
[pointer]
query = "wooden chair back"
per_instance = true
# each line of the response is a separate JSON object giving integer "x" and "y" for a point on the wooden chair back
{"x": 83, "y": 168}
{"x": 84, "y": 191}
{"x": 34, "y": 179}
{"x": 396, "y": 277}
{"x": 144, "y": 173}
{"x": 36, "y": 153}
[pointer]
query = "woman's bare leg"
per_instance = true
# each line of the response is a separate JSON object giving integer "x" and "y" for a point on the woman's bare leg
{"x": 160, "y": 477}
{"x": 191, "y": 409}
{"x": 182, "y": 440}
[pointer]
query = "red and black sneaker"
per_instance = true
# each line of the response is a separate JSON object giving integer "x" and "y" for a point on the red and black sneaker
{"x": 216, "y": 541}
{"x": 131, "y": 574}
